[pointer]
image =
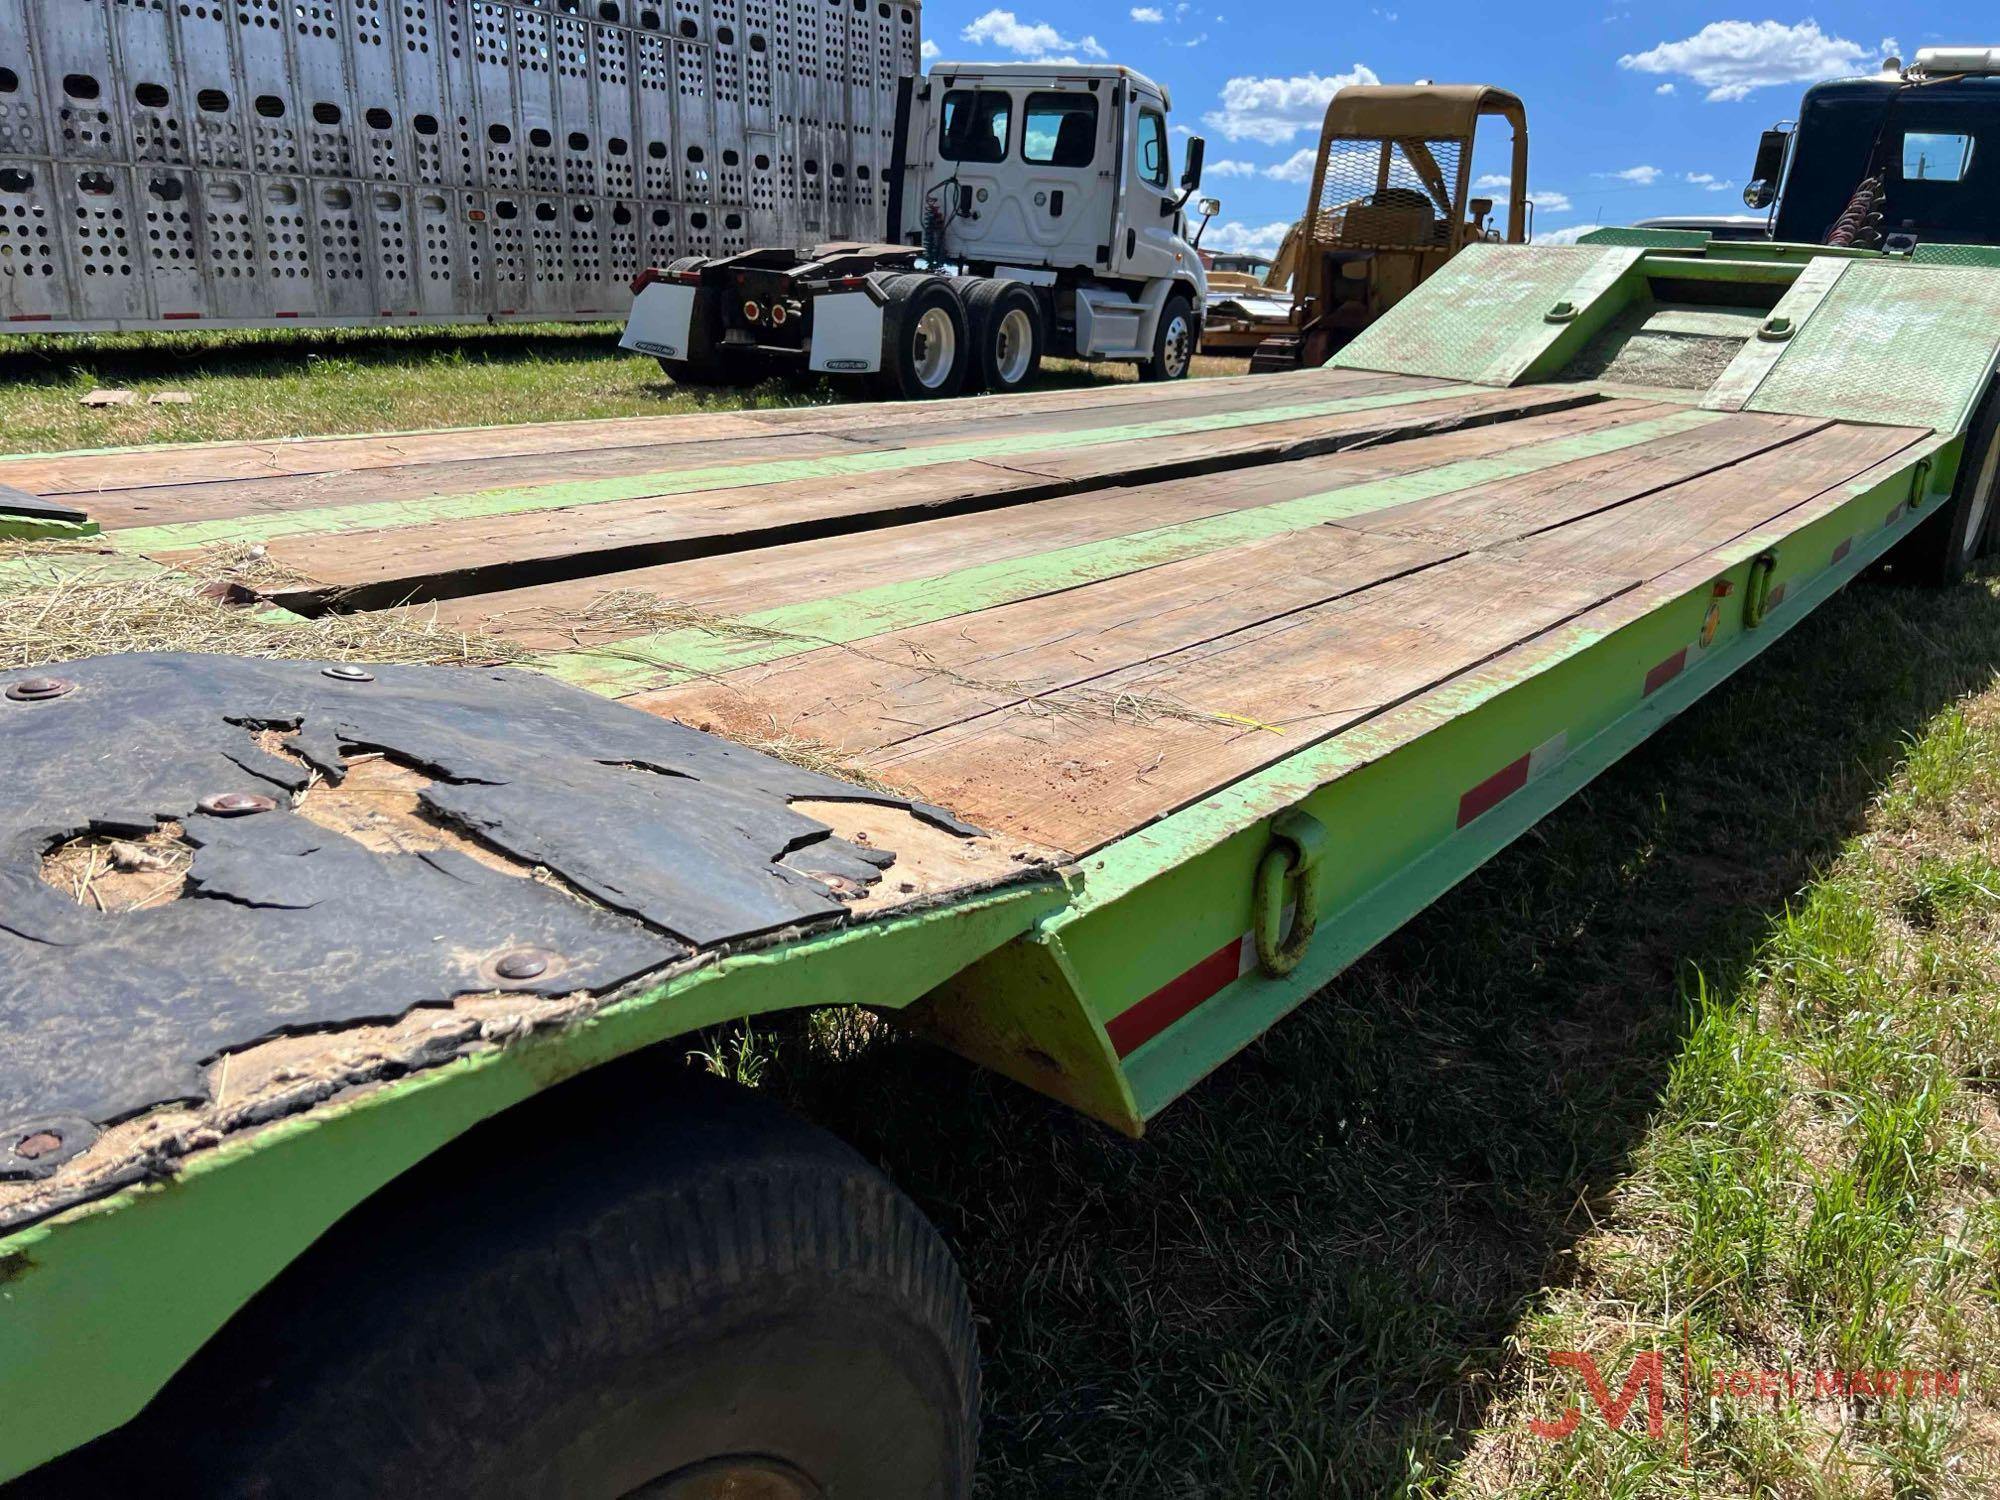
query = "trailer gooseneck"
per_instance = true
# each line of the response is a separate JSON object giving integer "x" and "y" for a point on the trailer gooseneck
{"x": 1151, "y": 710}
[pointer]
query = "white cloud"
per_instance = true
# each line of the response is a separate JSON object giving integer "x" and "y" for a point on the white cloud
{"x": 1665, "y": 88}
{"x": 1273, "y": 110}
{"x": 1194, "y": 41}
{"x": 1263, "y": 239}
{"x": 1567, "y": 236}
{"x": 1546, "y": 201}
{"x": 929, "y": 49}
{"x": 1148, "y": 15}
{"x": 1730, "y": 58}
{"x": 1298, "y": 167}
{"x": 1709, "y": 181}
{"x": 1036, "y": 40}
{"x": 1641, "y": 176}
{"x": 1229, "y": 169}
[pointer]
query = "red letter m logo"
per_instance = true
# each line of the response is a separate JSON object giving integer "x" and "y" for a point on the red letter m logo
{"x": 1648, "y": 1370}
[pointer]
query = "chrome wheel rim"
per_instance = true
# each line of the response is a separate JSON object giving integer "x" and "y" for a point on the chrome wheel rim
{"x": 936, "y": 348}
{"x": 1174, "y": 350}
{"x": 1014, "y": 345}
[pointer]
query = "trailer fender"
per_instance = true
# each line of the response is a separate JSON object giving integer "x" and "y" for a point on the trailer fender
{"x": 661, "y": 322}
{"x": 846, "y": 334}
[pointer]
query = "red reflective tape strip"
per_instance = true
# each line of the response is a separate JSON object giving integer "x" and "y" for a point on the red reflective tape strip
{"x": 1139, "y": 1024}
{"x": 1846, "y": 546}
{"x": 31, "y": 318}
{"x": 177, "y": 317}
{"x": 1665, "y": 672}
{"x": 1775, "y": 597}
{"x": 290, "y": 315}
{"x": 1502, "y": 784}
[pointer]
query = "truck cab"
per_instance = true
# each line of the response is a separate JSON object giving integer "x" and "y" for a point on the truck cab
{"x": 1903, "y": 157}
{"x": 1033, "y": 209}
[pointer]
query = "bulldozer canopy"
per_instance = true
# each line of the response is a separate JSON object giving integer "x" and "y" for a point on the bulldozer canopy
{"x": 1418, "y": 110}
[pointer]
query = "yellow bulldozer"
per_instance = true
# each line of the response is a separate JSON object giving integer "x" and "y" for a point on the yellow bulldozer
{"x": 1391, "y": 202}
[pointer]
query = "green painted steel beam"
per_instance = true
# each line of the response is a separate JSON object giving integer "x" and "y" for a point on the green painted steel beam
{"x": 686, "y": 652}
{"x": 105, "y": 1302}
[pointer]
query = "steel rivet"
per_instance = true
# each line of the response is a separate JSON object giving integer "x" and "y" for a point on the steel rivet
{"x": 35, "y": 689}
{"x": 522, "y": 963}
{"x": 346, "y": 673}
{"x": 235, "y": 804}
{"x": 41, "y": 1143}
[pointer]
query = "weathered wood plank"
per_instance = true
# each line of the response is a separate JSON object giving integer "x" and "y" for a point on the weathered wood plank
{"x": 464, "y": 554}
{"x": 223, "y": 462}
{"x": 888, "y": 688}
{"x": 1080, "y": 766}
{"x": 1168, "y": 730}
{"x": 551, "y": 616}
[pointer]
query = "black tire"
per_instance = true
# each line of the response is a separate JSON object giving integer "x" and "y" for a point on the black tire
{"x": 925, "y": 349}
{"x": 581, "y": 1302}
{"x": 1174, "y": 339}
{"x": 1005, "y": 324}
{"x": 1967, "y": 527}
{"x": 709, "y": 367}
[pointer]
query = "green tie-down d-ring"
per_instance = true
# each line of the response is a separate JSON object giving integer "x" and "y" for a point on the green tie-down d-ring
{"x": 1297, "y": 841}
{"x": 1757, "y": 596}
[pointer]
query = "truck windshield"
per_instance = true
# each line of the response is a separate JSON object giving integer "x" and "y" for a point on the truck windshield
{"x": 1059, "y": 130}
{"x": 975, "y": 125}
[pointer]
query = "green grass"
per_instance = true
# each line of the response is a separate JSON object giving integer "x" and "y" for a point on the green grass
{"x": 286, "y": 383}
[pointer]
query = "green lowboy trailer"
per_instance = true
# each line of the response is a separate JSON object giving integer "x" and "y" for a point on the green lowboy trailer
{"x": 1086, "y": 732}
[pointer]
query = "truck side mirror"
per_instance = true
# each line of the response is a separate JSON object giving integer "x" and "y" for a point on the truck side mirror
{"x": 1191, "y": 173}
{"x": 1209, "y": 207}
{"x": 1762, "y": 190}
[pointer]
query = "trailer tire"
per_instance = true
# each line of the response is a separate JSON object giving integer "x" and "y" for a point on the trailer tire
{"x": 623, "y": 1292}
{"x": 1006, "y": 331}
{"x": 1174, "y": 339}
{"x": 1966, "y": 528}
{"x": 925, "y": 348}
{"x": 709, "y": 368}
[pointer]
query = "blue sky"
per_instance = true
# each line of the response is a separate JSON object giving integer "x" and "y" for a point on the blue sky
{"x": 1633, "y": 109}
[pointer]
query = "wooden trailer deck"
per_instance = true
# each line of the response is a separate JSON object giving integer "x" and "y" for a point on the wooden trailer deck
{"x": 1061, "y": 616}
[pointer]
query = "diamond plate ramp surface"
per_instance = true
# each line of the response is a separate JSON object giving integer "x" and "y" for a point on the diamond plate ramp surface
{"x": 1482, "y": 318}
{"x": 1893, "y": 343}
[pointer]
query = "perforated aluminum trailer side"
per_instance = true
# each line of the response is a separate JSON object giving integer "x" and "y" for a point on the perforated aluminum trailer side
{"x": 244, "y": 163}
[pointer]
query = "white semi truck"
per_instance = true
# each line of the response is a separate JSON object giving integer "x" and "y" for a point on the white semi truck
{"x": 1032, "y": 209}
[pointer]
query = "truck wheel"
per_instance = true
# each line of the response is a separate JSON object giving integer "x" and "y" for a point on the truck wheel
{"x": 924, "y": 345}
{"x": 618, "y": 1296}
{"x": 1943, "y": 550}
{"x": 1006, "y": 330}
{"x": 1173, "y": 342}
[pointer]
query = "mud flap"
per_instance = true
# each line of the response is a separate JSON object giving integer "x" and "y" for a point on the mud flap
{"x": 846, "y": 335}
{"x": 661, "y": 320}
